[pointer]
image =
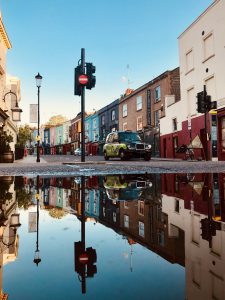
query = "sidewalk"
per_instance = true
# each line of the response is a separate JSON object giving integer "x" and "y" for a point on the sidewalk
{"x": 30, "y": 159}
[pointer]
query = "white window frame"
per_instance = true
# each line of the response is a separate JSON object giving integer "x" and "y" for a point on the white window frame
{"x": 139, "y": 123}
{"x": 124, "y": 110}
{"x": 124, "y": 126}
{"x": 141, "y": 229}
{"x": 139, "y": 102}
{"x": 206, "y": 57}
{"x": 173, "y": 123}
{"x": 113, "y": 115}
{"x": 157, "y": 97}
{"x": 126, "y": 221}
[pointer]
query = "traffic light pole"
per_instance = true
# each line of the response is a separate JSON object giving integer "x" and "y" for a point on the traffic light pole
{"x": 206, "y": 137}
{"x": 83, "y": 108}
{"x": 83, "y": 279}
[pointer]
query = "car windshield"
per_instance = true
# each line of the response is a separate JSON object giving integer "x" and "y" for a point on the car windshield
{"x": 129, "y": 137}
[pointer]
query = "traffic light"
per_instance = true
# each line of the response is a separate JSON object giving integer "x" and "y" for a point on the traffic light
{"x": 90, "y": 70}
{"x": 77, "y": 85}
{"x": 201, "y": 105}
{"x": 208, "y": 229}
{"x": 79, "y": 267}
{"x": 92, "y": 258}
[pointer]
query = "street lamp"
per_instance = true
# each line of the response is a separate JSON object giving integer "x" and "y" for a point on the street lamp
{"x": 37, "y": 258}
{"x": 14, "y": 225}
{"x": 16, "y": 111}
{"x": 38, "y": 78}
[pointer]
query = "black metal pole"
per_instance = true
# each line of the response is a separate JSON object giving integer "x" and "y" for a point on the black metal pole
{"x": 205, "y": 115}
{"x": 38, "y": 142}
{"x": 83, "y": 108}
{"x": 83, "y": 283}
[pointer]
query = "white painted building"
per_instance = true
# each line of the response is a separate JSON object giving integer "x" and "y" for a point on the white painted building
{"x": 204, "y": 266}
{"x": 202, "y": 62}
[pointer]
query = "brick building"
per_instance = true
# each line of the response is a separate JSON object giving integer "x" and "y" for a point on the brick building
{"x": 142, "y": 109}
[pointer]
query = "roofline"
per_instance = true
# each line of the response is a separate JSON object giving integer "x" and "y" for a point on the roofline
{"x": 4, "y": 35}
{"x": 151, "y": 82}
{"x": 199, "y": 17}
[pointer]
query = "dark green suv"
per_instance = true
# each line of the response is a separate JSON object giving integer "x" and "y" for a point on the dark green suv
{"x": 126, "y": 144}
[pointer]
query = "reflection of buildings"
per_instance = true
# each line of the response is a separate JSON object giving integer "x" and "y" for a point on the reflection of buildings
{"x": 9, "y": 222}
{"x": 187, "y": 203}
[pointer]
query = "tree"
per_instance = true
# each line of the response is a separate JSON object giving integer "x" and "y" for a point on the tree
{"x": 5, "y": 140}
{"x": 24, "y": 135}
{"x": 56, "y": 120}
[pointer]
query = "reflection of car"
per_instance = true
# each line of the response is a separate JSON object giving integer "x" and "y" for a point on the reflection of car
{"x": 119, "y": 188}
{"x": 126, "y": 144}
{"x": 78, "y": 152}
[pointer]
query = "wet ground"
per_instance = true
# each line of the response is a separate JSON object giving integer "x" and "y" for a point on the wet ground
{"x": 124, "y": 236}
{"x": 70, "y": 165}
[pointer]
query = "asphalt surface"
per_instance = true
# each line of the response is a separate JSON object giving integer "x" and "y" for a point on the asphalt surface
{"x": 68, "y": 165}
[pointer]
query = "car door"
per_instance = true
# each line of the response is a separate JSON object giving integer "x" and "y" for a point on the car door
{"x": 108, "y": 145}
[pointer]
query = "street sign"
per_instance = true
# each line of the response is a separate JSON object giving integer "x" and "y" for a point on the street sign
{"x": 83, "y": 79}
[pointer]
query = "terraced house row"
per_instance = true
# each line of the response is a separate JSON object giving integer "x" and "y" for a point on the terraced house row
{"x": 164, "y": 110}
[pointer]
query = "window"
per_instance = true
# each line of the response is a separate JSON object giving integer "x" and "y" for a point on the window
{"x": 114, "y": 217}
{"x": 208, "y": 46}
{"x": 139, "y": 123}
{"x": 126, "y": 221}
{"x": 139, "y": 102}
{"x": 174, "y": 121}
{"x": 141, "y": 229}
{"x": 157, "y": 116}
{"x": 87, "y": 126}
{"x": 124, "y": 126}
{"x": 189, "y": 61}
{"x": 94, "y": 123}
{"x": 161, "y": 238}
{"x": 175, "y": 143}
{"x": 124, "y": 110}
{"x": 192, "y": 106}
{"x": 103, "y": 120}
{"x": 113, "y": 115}
{"x": 157, "y": 94}
{"x": 211, "y": 87}
{"x": 177, "y": 206}
{"x": 141, "y": 207}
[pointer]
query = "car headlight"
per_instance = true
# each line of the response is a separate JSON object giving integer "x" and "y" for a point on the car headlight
{"x": 148, "y": 147}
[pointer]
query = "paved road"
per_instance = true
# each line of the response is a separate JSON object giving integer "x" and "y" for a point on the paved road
{"x": 70, "y": 165}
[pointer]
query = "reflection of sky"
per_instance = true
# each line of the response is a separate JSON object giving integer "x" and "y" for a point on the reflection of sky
{"x": 55, "y": 277}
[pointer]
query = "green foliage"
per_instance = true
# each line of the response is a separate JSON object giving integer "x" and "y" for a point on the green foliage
{"x": 56, "y": 120}
{"x": 4, "y": 192}
{"x": 23, "y": 198}
{"x": 24, "y": 135}
{"x": 5, "y": 140}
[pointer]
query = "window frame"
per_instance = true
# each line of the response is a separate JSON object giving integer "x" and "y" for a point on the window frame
{"x": 157, "y": 98}
{"x": 139, "y": 102}
{"x": 124, "y": 111}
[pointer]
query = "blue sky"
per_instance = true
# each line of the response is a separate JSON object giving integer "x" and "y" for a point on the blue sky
{"x": 47, "y": 37}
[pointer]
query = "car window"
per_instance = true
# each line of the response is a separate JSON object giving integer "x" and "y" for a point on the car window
{"x": 129, "y": 137}
{"x": 115, "y": 137}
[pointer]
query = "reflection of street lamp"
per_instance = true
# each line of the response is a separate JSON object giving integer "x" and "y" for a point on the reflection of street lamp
{"x": 37, "y": 259}
{"x": 38, "y": 78}
{"x": 16, "y": 111}
{"x": 14, "y": 224}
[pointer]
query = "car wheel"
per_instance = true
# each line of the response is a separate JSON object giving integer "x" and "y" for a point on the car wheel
{"x": 147, "y": 157}
{"x": 106, "y": 156}
{"x": 122, "y": 154}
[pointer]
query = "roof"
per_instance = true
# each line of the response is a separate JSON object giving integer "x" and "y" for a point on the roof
{"x": 199, "y": 17}
{"x": 149, "y": 83}
{"x": 4, "y": 35}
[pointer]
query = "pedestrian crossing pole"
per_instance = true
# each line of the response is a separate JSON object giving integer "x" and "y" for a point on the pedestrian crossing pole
{"x": 83, "y": 108}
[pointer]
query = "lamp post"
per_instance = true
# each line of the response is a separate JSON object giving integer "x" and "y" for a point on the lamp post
{"x": 16, "y": 111}
{"x": 38, "y": 78}
{"x": 37, "y": 258}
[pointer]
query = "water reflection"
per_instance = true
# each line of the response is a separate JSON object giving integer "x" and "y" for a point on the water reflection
{"x": 180, "y": 217}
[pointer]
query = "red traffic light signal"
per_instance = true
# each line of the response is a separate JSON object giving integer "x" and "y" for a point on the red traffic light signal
{"x": 83, "y": 79}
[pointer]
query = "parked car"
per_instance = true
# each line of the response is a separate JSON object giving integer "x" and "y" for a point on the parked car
{"x": 78, "y": 152}
{"x": 126, "y": 144}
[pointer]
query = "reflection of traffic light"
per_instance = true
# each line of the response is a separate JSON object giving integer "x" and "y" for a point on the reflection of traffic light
{"x": 77, "y": 85}
{"x": 90, "y": 70}
{"x": 92, "y": 258}
{"x": 79, "y": 267}
{"x": 208, "y": 229}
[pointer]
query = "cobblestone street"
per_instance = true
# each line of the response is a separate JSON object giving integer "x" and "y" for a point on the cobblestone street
{"x": 71, "y": 165}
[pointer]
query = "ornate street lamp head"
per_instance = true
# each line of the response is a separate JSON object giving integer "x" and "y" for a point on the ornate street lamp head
{"x": 38, "y": 78}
